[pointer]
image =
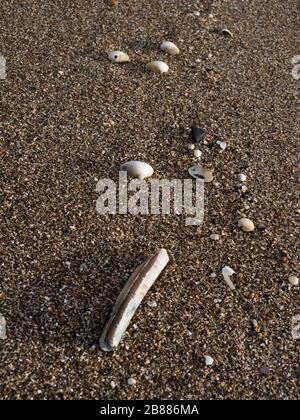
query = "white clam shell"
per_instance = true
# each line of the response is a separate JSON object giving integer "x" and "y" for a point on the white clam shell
{"x": 246, "y": 225}
{"x": 294, "y": 281}
{"x": 158, "y": 67}
{"x": 137, "y": 169}
{"x": 118, "y": 57}
{"x": 209, "y": 361}
{"x": 170, "y": 48}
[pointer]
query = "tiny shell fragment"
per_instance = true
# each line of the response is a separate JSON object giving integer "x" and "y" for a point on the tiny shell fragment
{"x": 246, "y": 225}
{"x": 130, "y": 299}
{"x": 198, "y": 172}
{"x": 137, "y": 169}
{"x": 227, "y": 273}
{"x": 170, "y": 48}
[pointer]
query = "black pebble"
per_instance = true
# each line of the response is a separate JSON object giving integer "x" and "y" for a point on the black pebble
{"x": 197, "y": 133}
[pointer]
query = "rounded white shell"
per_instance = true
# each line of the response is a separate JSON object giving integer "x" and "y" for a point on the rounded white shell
{"x": 158, "y": 67}
{"x": 294, "y": 281}
{"x": 137, "y": 169}
{"x": 170, "y": 48}
{"x": 246, "y": 225}
{"x": 198, "y": 172}
{"x": 118, "y": 57}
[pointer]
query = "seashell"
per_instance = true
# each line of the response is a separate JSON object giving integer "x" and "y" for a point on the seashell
{"x": 209, "y": 361}
{"x": 215, "y": 237}
{"x": 158, "y": 67}
{"x": 197, "y": 133}
{"x": 198, "y": 172}
{"x": 191, "y": 147}
{"x": 170, "y": 48}
{"x": 137, "y": 169}
{"x": 2, "y": 328}
{"x": 227, "y": 273}
{"x": 222, "y": 145}
{"x": 242, "y": 177}
{"x": 227, "y": 32}
{"x": 118, "y": 57}
{"x": 294, "y": 281}
{"x": 130, "y": 299}
{"x": 246, "y": 225}
{"x": 197, "y": 153}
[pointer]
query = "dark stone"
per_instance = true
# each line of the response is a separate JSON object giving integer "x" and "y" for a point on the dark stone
{"x": 197, "y": 133}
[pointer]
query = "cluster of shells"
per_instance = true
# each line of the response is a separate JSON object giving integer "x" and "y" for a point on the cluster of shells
{"x": 154, "y": 66}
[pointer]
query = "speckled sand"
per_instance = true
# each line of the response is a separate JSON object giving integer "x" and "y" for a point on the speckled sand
{"x": 69, "y": 117}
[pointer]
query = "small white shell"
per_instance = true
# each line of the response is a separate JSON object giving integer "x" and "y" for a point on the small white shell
{"x": 197, "y": 153}
{"x": 215, "y": 237}
{"x": 222, "y": 145}
{"x": 209, "y": 361}
{"x": 294, "y": 281}
{"x": 170, "y": 48}
{"x": 118, "y": 57}
{"x": 158, "y": 67}
{"x": 137, "y": 169}
{"x": 2, "y": 327}
{"x": 227, "y": 32}
{"x": 242, "y": 177}
{"x": 246, "y": 225}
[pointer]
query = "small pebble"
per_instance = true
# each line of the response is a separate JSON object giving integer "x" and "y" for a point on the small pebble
{"x": 215, "y": 237}
{"x": 113, "y": 385}
{"x": 2, "y": 328}
{"x": 209, "y": 361}
{"x": 131, "y": 382}
{"x": 191, "y": 147}
{"x": 197, "y": 14}
{"x": 197, "y": 153}
{"x": 294, "y": 281}
{"x": 213, "y": 275}
{"x": 265, "y": 371}
{"x": 137, "y": 169}
{"x": 244, "y": 189}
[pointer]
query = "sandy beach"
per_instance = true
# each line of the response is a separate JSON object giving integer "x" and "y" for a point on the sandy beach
{"x": 69, "y": 118}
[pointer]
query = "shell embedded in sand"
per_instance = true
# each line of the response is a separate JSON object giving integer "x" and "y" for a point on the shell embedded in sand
{"x": 137, "y": 169}
{"x": 246, "y": 225}
{"x": 227, "y": 32}
{"x": 130, "y": 299}
{"x": 118, "y": 57}
{"x": 227, "y": 273}
{"x": 158, "y": 67}
{"x": 170, "y": 48}
{"x": 198, "y": 172}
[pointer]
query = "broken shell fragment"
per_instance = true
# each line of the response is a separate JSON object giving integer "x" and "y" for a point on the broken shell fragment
{"x": 158, "y": 67}
{"x": 227, "y": 273}
{"x": 242, "y": 177}
{"x": 137, "y": 169}
{"x": 227, "y": 32}
{"x": 118, "y": 57}
{"x": 198, "y": 172}
{"x": 246, "y": 225}
{"x": 130, "y": 299}
{"x": 170, "y": 48}
{"x": 222, "y": 145}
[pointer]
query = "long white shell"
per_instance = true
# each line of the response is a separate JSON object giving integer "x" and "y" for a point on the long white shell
{"x": 130, "y": 299}
{"x": 118, "y": 57}
{"x": 158, "y": 67}
{"x": 137, "y": 169}
{"x": 2, "y": 327}
{"x": 170, "y": 48}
